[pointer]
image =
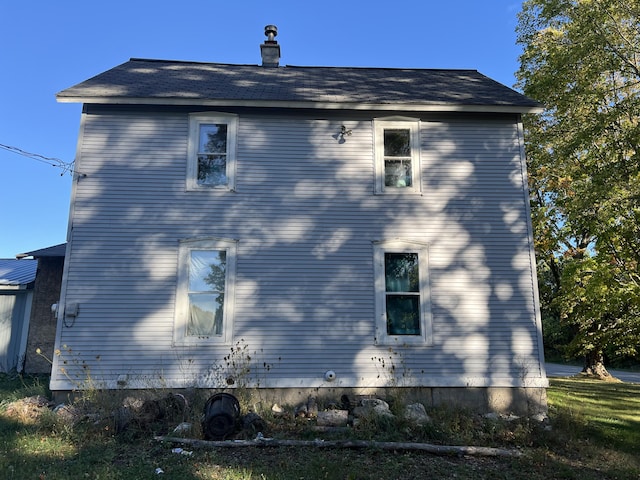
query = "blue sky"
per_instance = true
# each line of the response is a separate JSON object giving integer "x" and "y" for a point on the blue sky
{"x": 47, "y": 46}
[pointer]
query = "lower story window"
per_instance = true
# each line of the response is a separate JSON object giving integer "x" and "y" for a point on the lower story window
{"x": 207, "y": 282}
{"x": 402, "y": 293}
{"x": 206, "y": 277}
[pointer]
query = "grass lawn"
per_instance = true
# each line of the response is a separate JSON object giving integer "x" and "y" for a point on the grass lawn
{"x": 595, "y": 434}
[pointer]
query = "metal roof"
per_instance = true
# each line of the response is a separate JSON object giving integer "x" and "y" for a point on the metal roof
{"x": 17, "y": 273}
{"x": 144, "y": 81}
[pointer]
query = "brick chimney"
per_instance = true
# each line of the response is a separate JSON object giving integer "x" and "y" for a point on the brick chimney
{"x": 270, "y": 49}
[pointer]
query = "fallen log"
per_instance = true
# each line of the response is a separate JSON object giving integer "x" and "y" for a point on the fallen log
{"x": 411, "y": 446}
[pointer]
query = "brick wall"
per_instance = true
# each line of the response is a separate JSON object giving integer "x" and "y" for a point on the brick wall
{"x": 42, "y": 325}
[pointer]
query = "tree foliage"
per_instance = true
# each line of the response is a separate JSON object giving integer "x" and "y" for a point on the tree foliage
{"x": 581, "y": 59}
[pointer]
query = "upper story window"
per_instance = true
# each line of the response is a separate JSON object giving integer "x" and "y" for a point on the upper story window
{"x": 204, "y": 302}
{"x": 397, "y": 153}
{"x": 212, "y": 151}
{"x": 403, "y": 313}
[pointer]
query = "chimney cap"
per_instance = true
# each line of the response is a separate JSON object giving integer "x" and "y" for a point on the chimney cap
{"x": 271, "y": 31}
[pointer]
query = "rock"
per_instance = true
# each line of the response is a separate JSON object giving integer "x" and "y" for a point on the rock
{"x": 540, "y": 417}
{"x": 133, "y": 404}
{"x": 501, "y": 416}
{"x": 277, "y": 410}
{"x": 184, "y": 427}
{"x": 372, "y": 406}
{"x": 144, "y": 413}
{"x": 417, "y": 414}
{"x": 308, "y": 410}
{"x": 253, "y": 423}
{"x": 68, "y": 414}
{"x": 374, "y": 403}
{"x": 333, "y": 418}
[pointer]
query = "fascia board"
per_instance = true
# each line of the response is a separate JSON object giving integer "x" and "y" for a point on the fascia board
{"x": 303, "y": 105}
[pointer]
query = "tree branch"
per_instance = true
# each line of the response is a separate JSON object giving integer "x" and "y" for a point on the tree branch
{"x": 355, "y": 444}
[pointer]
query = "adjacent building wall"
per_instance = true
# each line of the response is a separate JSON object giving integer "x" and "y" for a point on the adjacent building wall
{"x": 42, "y": 325}
{"x": 15, "y": 308}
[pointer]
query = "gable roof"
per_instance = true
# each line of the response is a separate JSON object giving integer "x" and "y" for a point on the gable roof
{"x": 16, "y": 273}
{"x": 141, "y": 81}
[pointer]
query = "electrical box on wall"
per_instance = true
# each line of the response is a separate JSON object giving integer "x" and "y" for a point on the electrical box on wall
{"x": 71, "y": 310}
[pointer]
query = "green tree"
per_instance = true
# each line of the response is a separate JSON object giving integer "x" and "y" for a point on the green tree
{"x": 581, "y": 59}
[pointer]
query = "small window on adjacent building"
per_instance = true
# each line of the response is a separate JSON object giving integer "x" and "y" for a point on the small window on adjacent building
{"x": 403, "y": 313}
{"x": 397, "y": 152}
{"x": 212, "y": 151}
{"x": 206, "y": 278}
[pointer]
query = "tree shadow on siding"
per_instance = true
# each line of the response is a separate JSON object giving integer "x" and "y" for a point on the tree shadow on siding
{"x": 305, "y": 216}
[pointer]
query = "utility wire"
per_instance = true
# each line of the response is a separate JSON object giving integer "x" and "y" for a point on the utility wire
{"x": 54, "y": 162}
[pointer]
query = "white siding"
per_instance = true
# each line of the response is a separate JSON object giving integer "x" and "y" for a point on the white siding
{"x": 305, "y": 216}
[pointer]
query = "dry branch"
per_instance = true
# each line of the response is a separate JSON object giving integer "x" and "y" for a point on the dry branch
{"x": 272, "y": 442}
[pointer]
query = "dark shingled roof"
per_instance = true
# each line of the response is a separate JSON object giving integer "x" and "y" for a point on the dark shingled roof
{"x": 174, "y": 82}
{"x": 54, "y": 251}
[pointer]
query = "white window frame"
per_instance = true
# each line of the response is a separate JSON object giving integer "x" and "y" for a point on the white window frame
{"x": 182, "y": 294}
{"x": 195, "y": 120}
{"x": 401, "y": 246}
{"x": 413, "y": 125}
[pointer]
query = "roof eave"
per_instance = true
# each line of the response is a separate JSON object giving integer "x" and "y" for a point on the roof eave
{"x": 409, "y": 107}
{"x": 13, "y": 286}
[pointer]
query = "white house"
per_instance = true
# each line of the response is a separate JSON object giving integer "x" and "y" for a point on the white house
{"x": 297, "y": 228}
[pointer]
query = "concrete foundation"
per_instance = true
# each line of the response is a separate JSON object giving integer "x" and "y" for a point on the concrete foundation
{"x": 506, "y": 400}
{"x": 518, "y": 401}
